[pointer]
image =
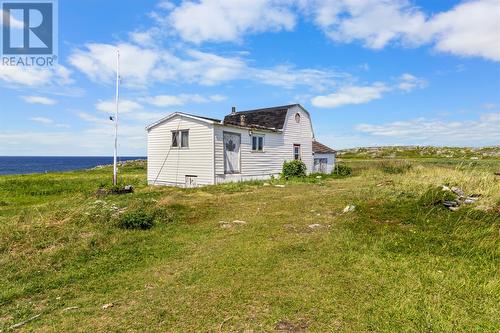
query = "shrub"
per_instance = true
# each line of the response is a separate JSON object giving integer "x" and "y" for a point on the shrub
{"x": 138, "y": 219}
{"x": 342, "y": 170}
{"x": 294, "y": 168}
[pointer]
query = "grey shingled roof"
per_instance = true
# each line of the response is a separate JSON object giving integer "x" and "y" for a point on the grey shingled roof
{"x": 270, "y": 118}
{"x": 321, "y": 148}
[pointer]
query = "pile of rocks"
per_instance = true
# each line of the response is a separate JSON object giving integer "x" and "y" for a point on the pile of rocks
{"x": 460, "y": 198}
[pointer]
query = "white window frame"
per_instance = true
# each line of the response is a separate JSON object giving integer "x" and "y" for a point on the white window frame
{"x": 178, "y": 134}
{"x": 258, "y": 136}
{"x": 297, "y": 145}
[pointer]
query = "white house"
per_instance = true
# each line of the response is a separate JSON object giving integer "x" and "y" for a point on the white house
{"x": 188, "y": 150}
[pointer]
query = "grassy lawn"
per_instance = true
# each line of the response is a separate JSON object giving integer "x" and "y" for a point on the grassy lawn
{"x": 400, "y": 262}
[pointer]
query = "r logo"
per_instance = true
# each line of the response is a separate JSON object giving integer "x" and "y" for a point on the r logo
{"x": 28, "y": 28}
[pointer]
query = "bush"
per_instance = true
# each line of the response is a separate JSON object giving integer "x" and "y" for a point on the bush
{"x": 342, "y": 170}
{"x": 138, "y": 219}
{"x": 294, "y": 168}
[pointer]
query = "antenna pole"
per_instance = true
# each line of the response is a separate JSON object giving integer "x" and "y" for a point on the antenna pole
{"x": 116, "y": 116}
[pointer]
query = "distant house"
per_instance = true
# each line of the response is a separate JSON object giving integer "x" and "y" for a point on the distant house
{"x": 188, "y": 150}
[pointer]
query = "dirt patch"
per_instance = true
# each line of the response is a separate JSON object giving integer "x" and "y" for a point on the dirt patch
{"x": 285, "y": 325}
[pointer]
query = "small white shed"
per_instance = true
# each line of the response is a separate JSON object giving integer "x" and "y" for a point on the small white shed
{"x": 324, "y": 158}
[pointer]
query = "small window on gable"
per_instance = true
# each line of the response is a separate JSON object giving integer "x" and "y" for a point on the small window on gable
{"x": 297, "y": 118}
{"x": 257, "y": 142}
{"x": 180, "y": 139}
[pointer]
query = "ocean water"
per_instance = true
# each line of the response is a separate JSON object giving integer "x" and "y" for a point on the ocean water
{"x": 11, "y": 165}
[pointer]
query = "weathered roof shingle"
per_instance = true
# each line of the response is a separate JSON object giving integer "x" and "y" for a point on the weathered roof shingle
{"x": 320, "y": 148}
{"x": 269, "y": 118}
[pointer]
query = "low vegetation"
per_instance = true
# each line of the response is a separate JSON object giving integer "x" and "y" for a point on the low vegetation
{"x": 370, "y": 248}
{"x": 421, "y": 152}
{"x": 294, "y": 168}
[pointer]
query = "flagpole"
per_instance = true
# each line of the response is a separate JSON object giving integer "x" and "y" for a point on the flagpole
{"x": 116, "y": 116}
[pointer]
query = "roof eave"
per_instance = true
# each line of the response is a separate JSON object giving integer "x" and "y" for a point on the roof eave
{"x": 182, "y": 114}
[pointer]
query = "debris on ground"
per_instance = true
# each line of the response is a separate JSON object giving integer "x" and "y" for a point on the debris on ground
{"x": 226, "y": 225}
{"x": 458, "y": 191}
{"x": 13, "y": 327}
{"x": 267, "y": 184}
{"x": 288, "y": 326}
{"x": 70, "y": 308}
{"x": 116, "y": 190}
{"x": 107, "y": 305}
{"x": 318, "y": 177}
{"x": 349, "y": 208}
{"x": 279, "y": 185}
{"x": 315, "y": 226}
{"x": 460, "y": 198}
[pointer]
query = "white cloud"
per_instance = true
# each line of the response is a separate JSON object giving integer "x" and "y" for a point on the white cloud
{"x": 374, "y": 22}
{"x": 125, "y": 106}
{"x": 471, "y": 28}
{"x": 291, "y": 77}
{"x": 98, "y": 62}
{"x": 350, "y": 95}
{"x": 93, "y": 119}
{"x": 39, "y": 100}
{"x": 141, "y": 66}
{"x": 490, "y": 106}
{"x": 408, "y": 82}
{"x": 218, "y": 98}
{"x": 228, "y": 20}
{"x": 42, "y": 120}
{"x": 35, "y": 76}
{"x": 49, "y": 122}
{"x": 482, "y": 131}
{"x": 178, "y": 100}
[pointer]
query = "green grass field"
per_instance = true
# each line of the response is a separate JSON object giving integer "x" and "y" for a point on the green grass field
{"x": 400, "y": 262}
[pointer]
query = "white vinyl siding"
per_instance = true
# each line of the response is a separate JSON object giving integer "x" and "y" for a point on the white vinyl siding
{"x": 192, "y": 157}
{"x": 253, "y": 165}
{"x": 298, "y": 134}
{"x": 330, "y": 158}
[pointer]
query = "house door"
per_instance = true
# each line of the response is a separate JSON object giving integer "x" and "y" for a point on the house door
{"x": 191, "y": 181}
{"x": 232, "y": 143}
{"x": 320, "y": 165}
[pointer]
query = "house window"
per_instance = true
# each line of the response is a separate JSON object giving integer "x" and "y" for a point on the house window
{"x": 257, "y": 142}
{"x": 175, "y": 139}
{"x": 297, "y": 118}
{"x": 184, "y": 139}
{"x": 180, "y": 139}
{"x": 296, "y": 152}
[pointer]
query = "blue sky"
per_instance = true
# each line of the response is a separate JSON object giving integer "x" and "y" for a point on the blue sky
{"x": 370, "y": 72}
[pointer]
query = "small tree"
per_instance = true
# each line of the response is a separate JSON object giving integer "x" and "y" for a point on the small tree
{"x": 295, "y": 168}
